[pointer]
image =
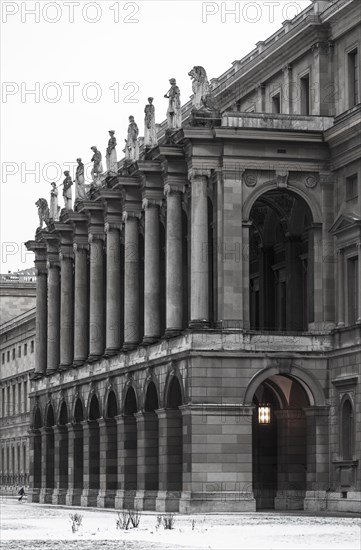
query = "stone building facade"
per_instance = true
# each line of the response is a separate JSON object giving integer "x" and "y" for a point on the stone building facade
{"x": 17, "y": 362}
{"x": 198, "y": 320}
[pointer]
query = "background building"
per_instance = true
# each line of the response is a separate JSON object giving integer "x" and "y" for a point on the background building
{"x": 198, "y": 320}
{"x": 17, "y": 347}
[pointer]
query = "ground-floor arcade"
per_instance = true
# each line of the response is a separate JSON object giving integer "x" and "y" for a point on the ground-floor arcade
{"x": 187, "y": 435}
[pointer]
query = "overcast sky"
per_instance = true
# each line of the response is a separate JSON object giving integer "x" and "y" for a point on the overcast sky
{"x": 92, "y": 64}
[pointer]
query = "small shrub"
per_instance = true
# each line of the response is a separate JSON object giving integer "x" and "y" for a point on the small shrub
{"x": 168, "y": 521}
{"x": 76, "y": 521}
{"x": 123, "y": 521}
{"x": 135, "y": 516}
{"x": 193, "y": 524}
{"x": 159, "y": 521}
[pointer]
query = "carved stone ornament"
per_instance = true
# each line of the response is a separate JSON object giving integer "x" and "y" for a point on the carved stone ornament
{"x": 311, "y": 181}
{"x": 250, "y": 179}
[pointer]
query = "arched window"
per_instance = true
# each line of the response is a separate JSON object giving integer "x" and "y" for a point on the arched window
{"x": 347, "y": 429}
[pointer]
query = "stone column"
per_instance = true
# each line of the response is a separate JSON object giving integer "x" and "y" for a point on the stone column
{"x": 53, "y": 316}
{"x": 217, "y": 459}
{"x": 359, "y": 282}
{"x": 151, "y": 272}
{"x": 41, "y": 321}
{"x": 75, "y": 464}
{"x": 47, "y": 465}
{"x": 147, "y": 460}
{"x": 170, "y": 460}
{"x": 287, "y": 90}
{"x": 174, "y": 282}
{"x": 60, "y": 464}
{"x": 34, "y": 465}
{"x": 108, "y": 462}
{"x": 81, "y": 310}
{"x": 341, "y": 288}
{"x": 113, "y": 293}
{"x": 131, "y": 280}
{"x": 66, "y": 310}
{"x": 127, "y": 461}
{"x": 96, "y": 310}
{"x": 91, "y": 463}
{"x": 199, "y": 252}
{"x": 245, "y": 274}
{"x": 317, "y": 475}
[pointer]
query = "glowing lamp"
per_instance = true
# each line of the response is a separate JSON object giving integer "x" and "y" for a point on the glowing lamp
{"x": 264, "y": 414}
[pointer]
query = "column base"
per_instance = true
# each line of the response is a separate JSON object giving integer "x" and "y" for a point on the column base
{"x": 150, "y": 340}
{"x": 341, "y": 324}
{"x": 167, "y": 501}
{"x": 320, "y": 501}
{"x": 92, "y": 358}
{"x": 315, "y": 501}
{"x": 129, "y": 346}
{"x": 89, "y": 497}
{"x": 45, "y": 496}
{"x": 78, "y": 362}
{"x": 33, "y": 494}
{"x": 49, "y": 372}
{"x": 289, "y": 500}
{"x": 321, "y": 326}
{"x": 106, "y": 498}
{"x": 221, "y": 502}
{"x": 199, "y": 324}
{"x": 124, "y": 499}
{"x": 64, "y": 366}
{"x": 36, "y": 375}
{"x": 59, "y": 496}
{"x": 172, "y": 332}
{"x": 73, "y": 497}
{"x": 145, "y": 500}
{"x": 109, "y": 352}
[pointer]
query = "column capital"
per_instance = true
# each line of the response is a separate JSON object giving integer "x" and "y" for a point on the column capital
{"x": 66, "y": 254}
{"x": 52, "y": 263}
{"x": 286, "y": 68}
{"x": 174, "y": 188}
{"x": 131, "y": 215}
{"x": 80, "y": 247}
{"x": 198, "y": 173}
{"x": 111, "y": 226}
{"x": 41, "y": 270}
{"x": 151, "y": 203}
{"x": 92, "y": 237}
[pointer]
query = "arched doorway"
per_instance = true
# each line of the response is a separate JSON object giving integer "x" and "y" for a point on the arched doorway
{"x": 76, "y": 455}
{"x": 127, "y": 437}
{"x": 279, "y": 443}
{"x": 174, "y": 436}
{"x": 91, "y": 461}
{"x": 108, "y": 453}
{"x": 61, "y": 456}
{"x": 35, "y": 456}
{"x": 49, "y": 450}
{"x": 281, "y": 262}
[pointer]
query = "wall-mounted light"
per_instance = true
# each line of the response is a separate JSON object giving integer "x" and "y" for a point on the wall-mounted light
{"x": 264, "y": 414}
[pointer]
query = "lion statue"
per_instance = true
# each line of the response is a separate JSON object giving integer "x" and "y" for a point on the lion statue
{"x": 43, "y": 212}
{"x": 203, "y": 98}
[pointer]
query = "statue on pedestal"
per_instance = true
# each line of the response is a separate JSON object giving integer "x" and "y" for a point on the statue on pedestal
{"x": 203, "y": 98}
{"x": 131, "y": 143}
{"x": 43, "y": 212}
{"x": 54, "y": 208}
{"x": 111, "y": 156}
{"x": 80, "y": 187}
{"x": 174, "y": 113}
{"x": 67, "y": 184}
{"x": 150, "y": 131}
{"x": 97, "y": 166}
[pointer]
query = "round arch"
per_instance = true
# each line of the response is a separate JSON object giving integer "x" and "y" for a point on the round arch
{"x": 93, "y": 410}
{"x": 309, "y": 383}
{"x": 78, "y": 409}
{"x": 63, "y": 415}
{"x": 270, "y": 186}
{"x": 173, "y": 378}
{"x": 49, "y": 415}
{"x": 37, "y": 418}
{"x": 110, "y": 404}
{"x": 151, "y": 380}
{"x": 130, "y": 394}
{"x": 151, "y": 396}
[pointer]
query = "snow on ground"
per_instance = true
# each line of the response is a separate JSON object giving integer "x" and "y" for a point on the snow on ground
{"x": 33, "y": 526}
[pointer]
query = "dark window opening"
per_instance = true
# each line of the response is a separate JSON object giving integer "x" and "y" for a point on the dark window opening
{"x": 353, "y": 78}
{"x": 305, "y": 95}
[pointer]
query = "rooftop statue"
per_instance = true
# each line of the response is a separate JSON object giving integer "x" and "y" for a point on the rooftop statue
{"x": 174, "y": 112}
{"x": 80, "y": 187}
{"x": 150, "y": 131}
{"x": 97, "y": 164}
{"x": 111, "y": 156}
{"x": 43, "y": 212}
{"x": 67, "y": 195}
{"x": 131, "y": 143}
{"x": 54, "y": 208}
{"x": 203, "y": 97}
